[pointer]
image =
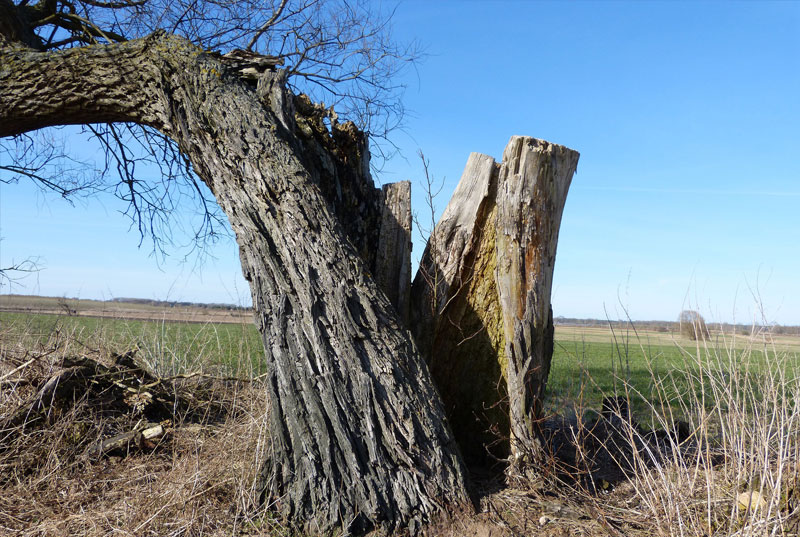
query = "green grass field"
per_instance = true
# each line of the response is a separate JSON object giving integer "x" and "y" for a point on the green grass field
{"x": 588, "y": 363}
{"x": 591, "y": 363}
{"x": 166, "y": 347}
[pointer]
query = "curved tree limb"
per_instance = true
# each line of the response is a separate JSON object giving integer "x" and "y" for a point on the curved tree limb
{"x": 359, "y": 437}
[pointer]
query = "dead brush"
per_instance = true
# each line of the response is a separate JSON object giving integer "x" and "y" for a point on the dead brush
{"x": 197, "y": 478}
{"x": 720, "y": 453}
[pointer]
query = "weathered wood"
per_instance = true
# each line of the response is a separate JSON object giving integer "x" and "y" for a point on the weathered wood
{"x": 481, "y": 298}
{"x": 67, "y": 383}
{"x": 358, "y": 434}
{"x": 359, "y": 439}
{"x": 133, "y": 439}
{"x": 531, "y": 194}
{"x": 123, "y": 384}
{"x": 455, "y": 313}
{"x": 377, "y": 221}
{"x": 393, "y": 259}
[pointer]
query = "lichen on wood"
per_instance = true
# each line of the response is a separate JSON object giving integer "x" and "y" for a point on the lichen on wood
{"x": 481, "y": 298}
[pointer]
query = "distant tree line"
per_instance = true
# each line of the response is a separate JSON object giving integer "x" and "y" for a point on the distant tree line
{"x": 675, "y": 326}
{"x": 177, "y": 304}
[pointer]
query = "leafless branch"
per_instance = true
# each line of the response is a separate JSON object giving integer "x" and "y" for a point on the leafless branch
{"x": 42, "y": 156}
{"x": 340, "y": 52}
{"x": 115, "y": 5}
{"x": 267, "y": 25}
{"x": 428, "y": 267}
{"x": 132, "y": 155}
{"x": 17, "y": 271}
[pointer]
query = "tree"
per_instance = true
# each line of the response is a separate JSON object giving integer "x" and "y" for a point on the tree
{"x": 693, "y": 326}
{"x": 359, "y": 437}
{"x": 337, "y": 51}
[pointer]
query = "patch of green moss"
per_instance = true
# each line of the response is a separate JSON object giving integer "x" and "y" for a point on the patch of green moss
{"x": 468, "y": 359}
{"x": 482, "y": 294}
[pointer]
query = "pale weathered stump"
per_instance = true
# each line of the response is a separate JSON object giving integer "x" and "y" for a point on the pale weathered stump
{"x": 456, "y": 317}
{"x": 532, "y": 190}
{"x": 481, "y": 298}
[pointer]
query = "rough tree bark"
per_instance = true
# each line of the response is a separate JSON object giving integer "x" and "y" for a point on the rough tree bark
{"x": 481, "y": 299}
{"x": 359, "y": 437}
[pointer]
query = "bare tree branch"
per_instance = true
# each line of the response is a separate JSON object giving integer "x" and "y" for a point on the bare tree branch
{"x": 340, "y": 52}
{"x": 17, "y": 271}
{"x": 42, "y": 157}
{"x": 267, "y": 25}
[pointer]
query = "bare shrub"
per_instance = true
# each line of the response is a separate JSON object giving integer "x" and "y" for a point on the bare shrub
{"x": 693, "y": 326}
{"x": 716, "y": 450}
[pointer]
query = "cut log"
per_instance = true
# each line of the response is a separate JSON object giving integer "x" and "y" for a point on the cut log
{"x": 127, "y": 441}
{"x": 481, "y": 299}
{"x": 152, "y": 430}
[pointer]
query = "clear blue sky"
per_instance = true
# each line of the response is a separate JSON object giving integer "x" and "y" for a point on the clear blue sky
{"x": 686, "y": 116}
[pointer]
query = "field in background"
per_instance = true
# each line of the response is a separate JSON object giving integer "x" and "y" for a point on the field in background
{"x": 164, "y": 346}
{"x": 126, "y": 309}
{"x": 592, "y": 362}
{"x": 604, "y": 334}
{"x": 588, "y": 362}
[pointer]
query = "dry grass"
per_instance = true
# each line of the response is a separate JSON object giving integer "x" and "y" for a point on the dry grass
{"x": 731, "y": 467}
{"x": 198, "y": 479}
{"x": 741, "y": 404}
{"x": 744, "y": 409}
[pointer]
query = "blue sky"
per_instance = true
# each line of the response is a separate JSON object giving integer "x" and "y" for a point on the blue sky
{"x": 686, "y": 116}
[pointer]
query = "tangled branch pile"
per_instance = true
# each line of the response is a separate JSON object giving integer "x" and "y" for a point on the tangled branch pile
{"x": 92, "y": 445}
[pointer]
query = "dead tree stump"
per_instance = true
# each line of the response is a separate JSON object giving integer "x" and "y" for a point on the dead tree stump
{"x": 481, "y": 310}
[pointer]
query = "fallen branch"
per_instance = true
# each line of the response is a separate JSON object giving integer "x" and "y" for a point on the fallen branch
{"x": 20, "y": 368}
{"x": 135, "y": 438}
{"x": 60, "y": 386}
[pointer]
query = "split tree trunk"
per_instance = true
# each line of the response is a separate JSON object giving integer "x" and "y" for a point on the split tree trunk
{"x": 456, "y": 318}
{"x": 359, "y": 437}
{"x": 481, "y": 298}
{"x": 393, "y": 255}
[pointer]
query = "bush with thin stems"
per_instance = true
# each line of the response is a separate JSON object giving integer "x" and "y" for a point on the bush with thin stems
{"x": 732, "y": 467}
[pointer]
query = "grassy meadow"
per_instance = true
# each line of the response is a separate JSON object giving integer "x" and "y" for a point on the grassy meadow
{"x": 166, "y": 347}
{"x": 588, "y": 364}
